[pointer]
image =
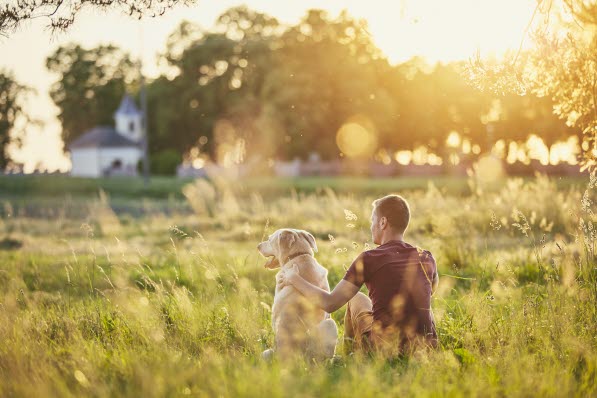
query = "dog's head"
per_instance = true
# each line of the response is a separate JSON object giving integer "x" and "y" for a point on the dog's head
{"x": 284, "y": 243}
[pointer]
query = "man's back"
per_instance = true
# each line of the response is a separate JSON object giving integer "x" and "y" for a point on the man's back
{"x": 399, "y": 279}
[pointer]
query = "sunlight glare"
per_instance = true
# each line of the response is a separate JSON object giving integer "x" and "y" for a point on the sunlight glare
{"x": 403, "y": 157}
{"x": 443, "y": 31}
{"x": 357, "y": 138}
{"x": 453, "y": 139}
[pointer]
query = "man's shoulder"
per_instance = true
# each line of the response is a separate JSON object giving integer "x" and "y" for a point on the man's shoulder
{"x": 398, "y": 248}
{"x": 405, "y": 249}
{"x": 423, "y": 252}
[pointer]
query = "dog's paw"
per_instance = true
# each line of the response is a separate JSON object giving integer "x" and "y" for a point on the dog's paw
{"x": 268, "y": 355}
{"x": 336, "y": 360}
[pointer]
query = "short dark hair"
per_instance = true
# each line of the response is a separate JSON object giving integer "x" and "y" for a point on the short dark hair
{"x": 395, "y": 209}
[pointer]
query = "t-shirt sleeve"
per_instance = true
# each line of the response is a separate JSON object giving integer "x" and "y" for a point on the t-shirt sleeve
{"x": 356, "y": 272}
{"x": 430, "y": 265}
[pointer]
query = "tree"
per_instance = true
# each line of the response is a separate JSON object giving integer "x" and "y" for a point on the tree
{"x": 565, "y": 69}
{"x": 562, "y": 67}
{"x": 11, "y": 109}
{"x": 285, "y": 91}
{"x": 219, "y": 75}
{"x": 324, "y": 72}
{"x": 62, "y": 14}
{"x": 90, "y": 85}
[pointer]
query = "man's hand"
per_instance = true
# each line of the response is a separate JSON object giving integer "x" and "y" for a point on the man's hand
{"x": 434, "y": 282}
{"x": 327, "y": 301}
{"x": 286, "y": 277}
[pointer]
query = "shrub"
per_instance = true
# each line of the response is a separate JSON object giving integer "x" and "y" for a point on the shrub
{"x": 164, "y": 162}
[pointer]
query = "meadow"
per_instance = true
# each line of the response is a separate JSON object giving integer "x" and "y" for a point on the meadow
{"x": 111, "y": 288}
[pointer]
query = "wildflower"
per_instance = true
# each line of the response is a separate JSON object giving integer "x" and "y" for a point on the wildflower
{"x": 349, "y": 215}
{"x": 494, "y": 223}
{"x": 332, "y": 239}
{"x": 88, "y": 229}
{"x": 522, "y": 223}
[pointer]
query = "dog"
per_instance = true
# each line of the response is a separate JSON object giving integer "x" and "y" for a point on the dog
{"x": 299, "y": 325}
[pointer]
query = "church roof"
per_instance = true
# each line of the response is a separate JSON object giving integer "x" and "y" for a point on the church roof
{"x": 102, "y": 137}
{"x": 127, "y": 106}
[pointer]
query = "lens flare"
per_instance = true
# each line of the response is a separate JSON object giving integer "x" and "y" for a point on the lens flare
{"x": 357, "y": 138}
{"x": 488, "y": 168}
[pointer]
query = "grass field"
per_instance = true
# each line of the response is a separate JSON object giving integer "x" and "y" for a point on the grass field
{"x": 159, "y": 291}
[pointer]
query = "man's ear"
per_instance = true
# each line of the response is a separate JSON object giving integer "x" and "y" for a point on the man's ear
{"x": 286, "y": 239}
{"x": 310, "y": 238}
{"x": 383, "y": 222}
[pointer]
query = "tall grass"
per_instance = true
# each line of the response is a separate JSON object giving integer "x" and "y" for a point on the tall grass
{"x": 179, "y": 304}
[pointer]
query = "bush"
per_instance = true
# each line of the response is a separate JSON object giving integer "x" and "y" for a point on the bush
{"x": 164, "y": 162}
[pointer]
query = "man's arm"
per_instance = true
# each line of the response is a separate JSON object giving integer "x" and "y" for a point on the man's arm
{"x": 327, "y": 301}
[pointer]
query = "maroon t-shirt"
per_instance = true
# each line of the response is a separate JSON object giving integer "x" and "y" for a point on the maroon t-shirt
{"x": 399, "y": 278}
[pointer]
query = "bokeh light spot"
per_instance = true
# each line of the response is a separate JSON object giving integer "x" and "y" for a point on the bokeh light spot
{"x": 357, "y": 138}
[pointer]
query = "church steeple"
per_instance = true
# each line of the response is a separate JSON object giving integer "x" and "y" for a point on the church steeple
{"x": 128, "y": 119}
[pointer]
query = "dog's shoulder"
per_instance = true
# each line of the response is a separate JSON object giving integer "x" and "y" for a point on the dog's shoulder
{"x": 308, "y": 263}
{"x": 311, "y": 270}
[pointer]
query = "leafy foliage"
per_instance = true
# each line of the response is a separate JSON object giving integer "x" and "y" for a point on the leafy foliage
{"x": 165, "y": 162}
{"x": 269, "y": 90}
{"x": 11, "y": 109}
{"x": 286, "y": 90}
{"x": 61, "y": 14}
{"x": 561, "y": 67}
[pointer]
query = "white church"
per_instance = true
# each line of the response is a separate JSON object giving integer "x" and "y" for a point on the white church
{"x": 106, "y": 151}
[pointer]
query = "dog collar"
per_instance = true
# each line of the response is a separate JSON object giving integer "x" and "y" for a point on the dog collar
{"x": 295, "y": 255}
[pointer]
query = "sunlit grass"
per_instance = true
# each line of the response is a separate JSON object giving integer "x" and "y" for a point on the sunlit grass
{"x": 170, "y": 304}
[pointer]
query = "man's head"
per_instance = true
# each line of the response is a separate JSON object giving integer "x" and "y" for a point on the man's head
{"x": 390, "y": 217}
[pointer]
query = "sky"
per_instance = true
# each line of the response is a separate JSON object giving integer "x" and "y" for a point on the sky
{"x": 439, "y": 30}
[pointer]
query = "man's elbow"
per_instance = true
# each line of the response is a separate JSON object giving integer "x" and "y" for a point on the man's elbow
{"x": 329, "y": 308}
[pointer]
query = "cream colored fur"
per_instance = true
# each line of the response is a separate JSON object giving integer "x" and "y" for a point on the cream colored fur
{"x": 299, "y": 326}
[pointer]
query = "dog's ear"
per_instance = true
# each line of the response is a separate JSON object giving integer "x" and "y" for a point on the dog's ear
{"x": 310, "y": 238}
{"x": 287, "y": 239}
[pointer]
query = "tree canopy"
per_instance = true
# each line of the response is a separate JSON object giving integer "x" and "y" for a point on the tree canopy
{"x": 11, "y": 109}
{"x": 279, "y": 91}
{"x": 562, "y": 66}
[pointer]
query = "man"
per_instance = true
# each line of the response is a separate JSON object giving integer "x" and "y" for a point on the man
{"x": 396, "y": 318}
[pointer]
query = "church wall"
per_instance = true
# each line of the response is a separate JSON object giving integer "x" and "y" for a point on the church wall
{"x": 85, "y": 162}
{"x": 128, "y": 158}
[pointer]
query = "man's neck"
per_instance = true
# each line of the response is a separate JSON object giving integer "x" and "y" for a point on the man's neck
{"x": 390, "y": 237}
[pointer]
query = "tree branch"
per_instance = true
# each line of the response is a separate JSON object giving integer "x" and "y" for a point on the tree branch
{"x": 63, "y": 14}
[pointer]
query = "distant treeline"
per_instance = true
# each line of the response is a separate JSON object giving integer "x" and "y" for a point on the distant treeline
{"x": 284, "y": 92}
